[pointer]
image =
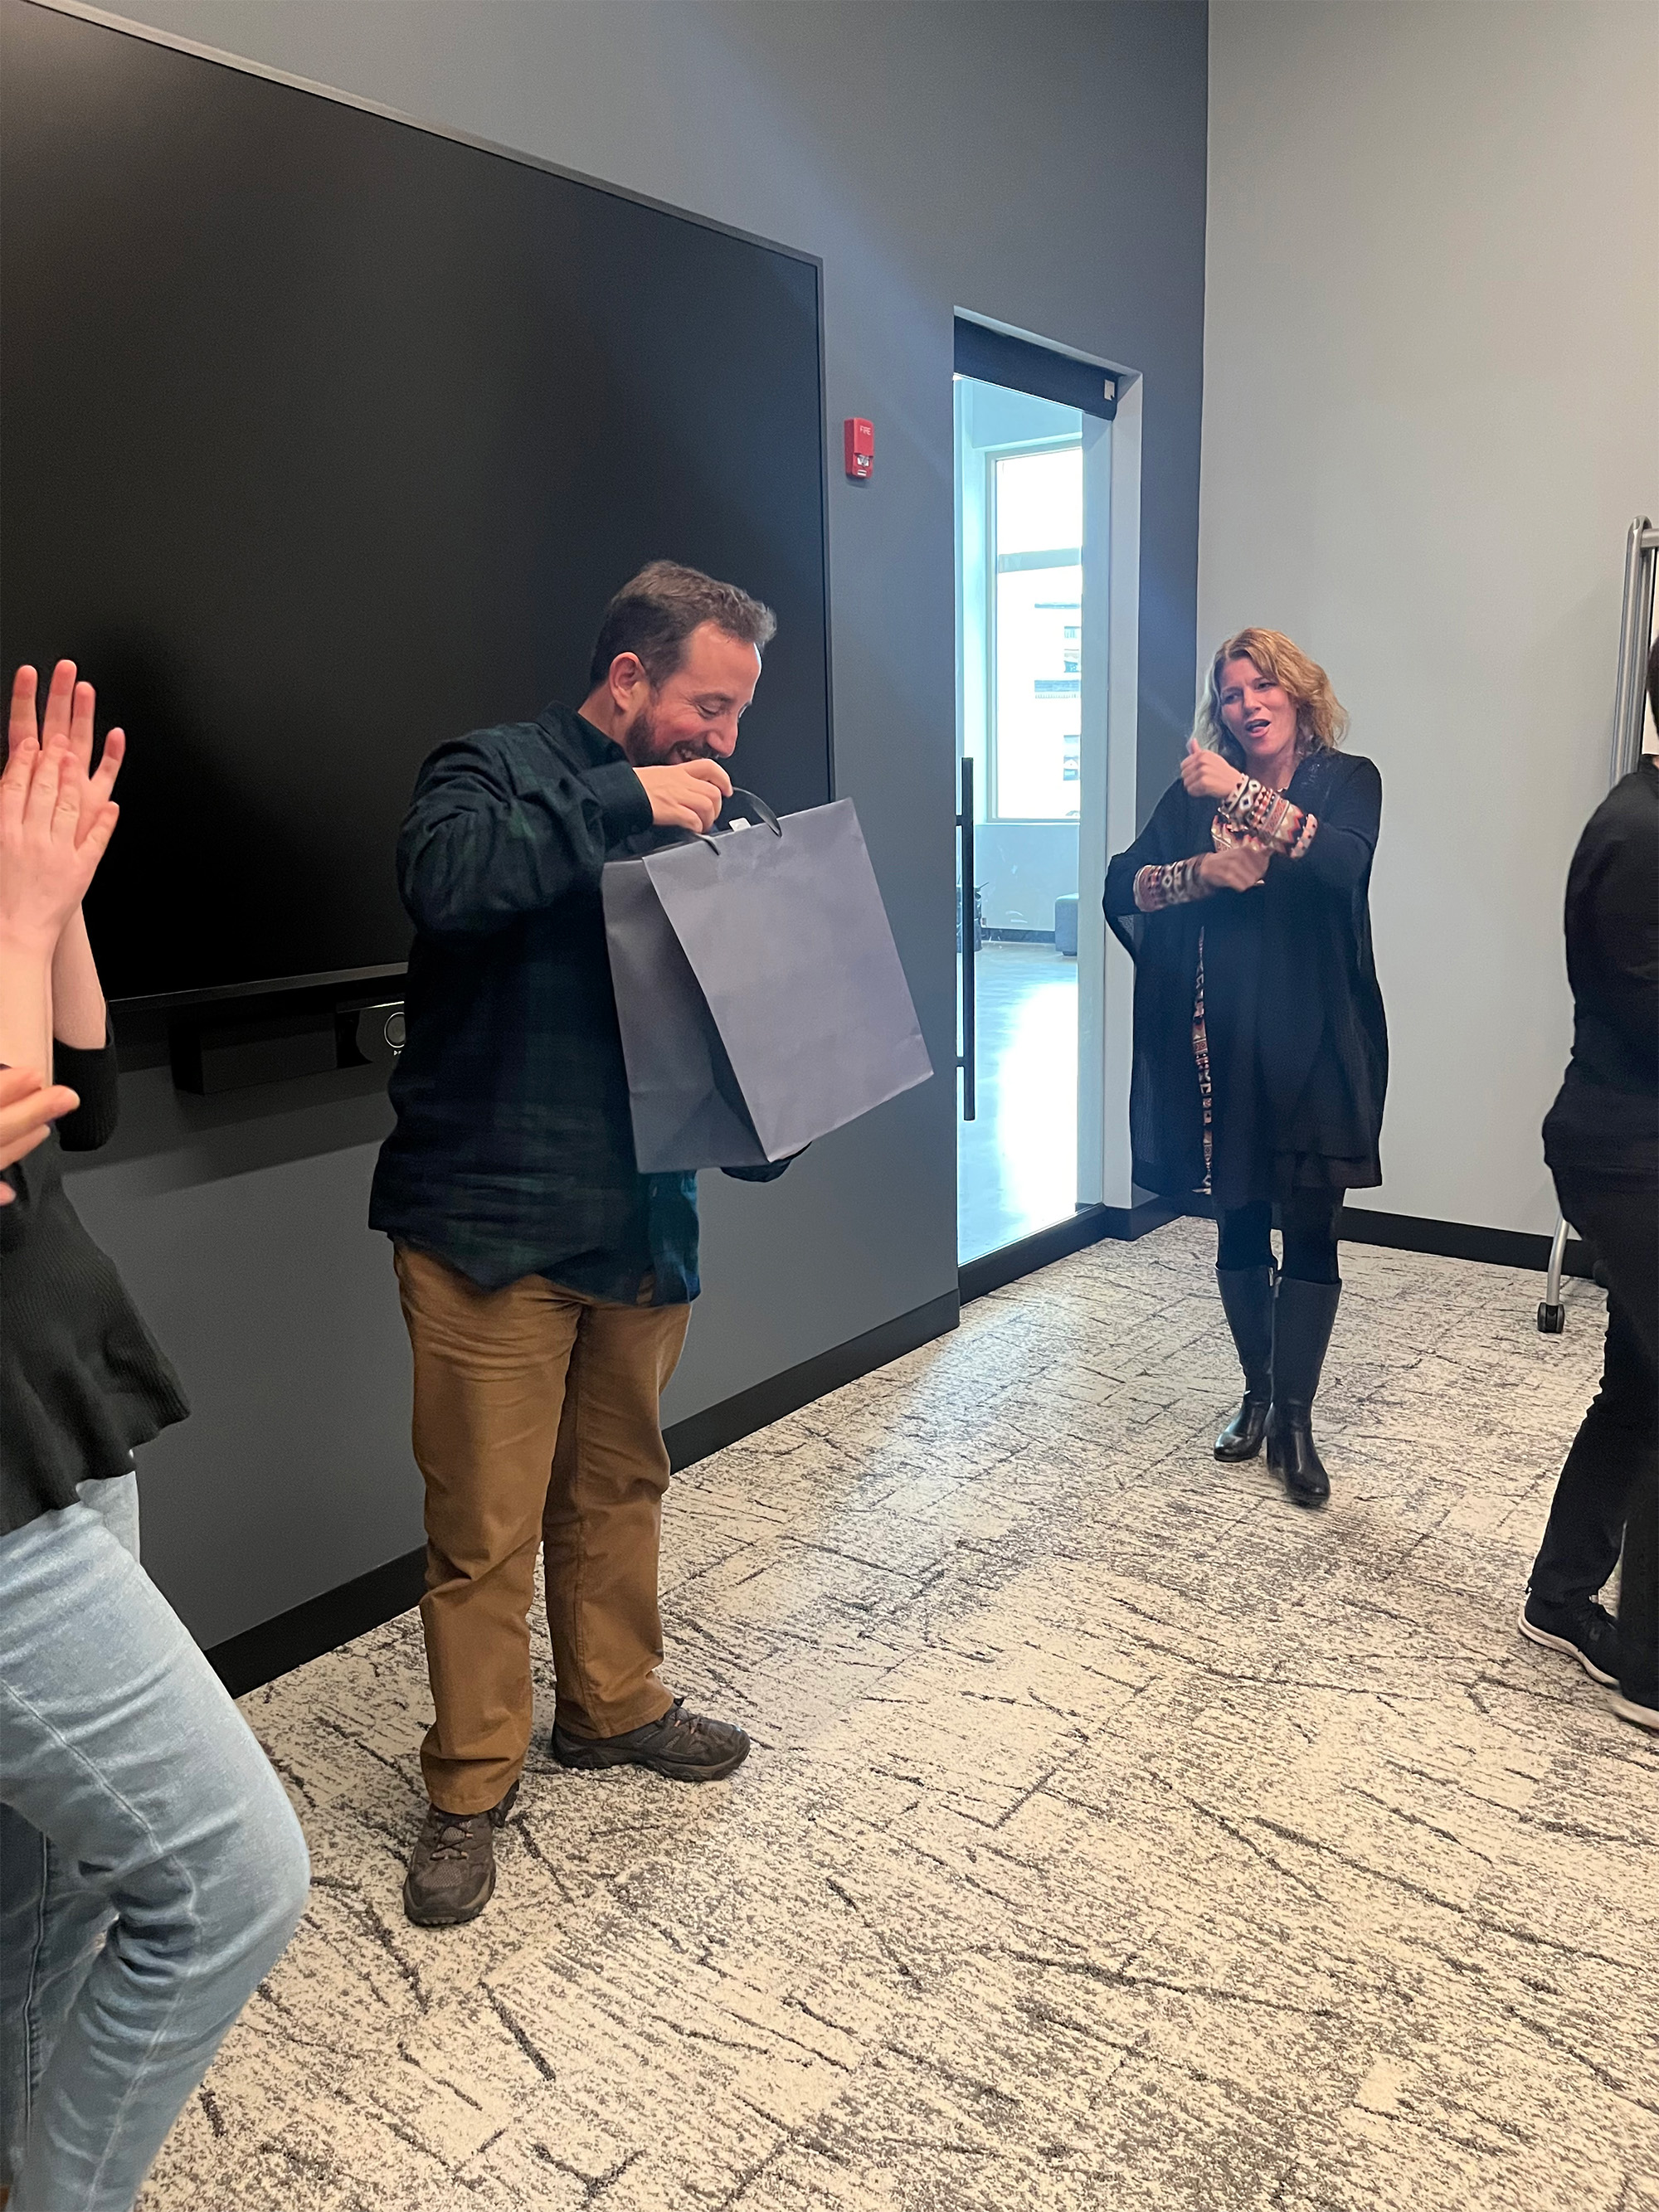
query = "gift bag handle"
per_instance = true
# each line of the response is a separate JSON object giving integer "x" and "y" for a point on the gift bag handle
{"x": 757, "y": 805}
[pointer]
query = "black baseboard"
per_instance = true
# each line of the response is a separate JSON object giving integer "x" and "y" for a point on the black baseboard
{"x": 733, "y": 1419}
{"x": 1016, "y": 936}
{"x": 322, "y": 1623}
{"x": 1447, "y": 1239}
{"x": 1459, "y": 1240}
{"x": 1089, "y": 1225}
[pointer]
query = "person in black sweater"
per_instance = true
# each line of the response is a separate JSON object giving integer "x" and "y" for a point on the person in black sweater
{"x": 1601, "y": 1141}
{"x": 1260, "y": 1051}
{"x": 151, "y": 1869}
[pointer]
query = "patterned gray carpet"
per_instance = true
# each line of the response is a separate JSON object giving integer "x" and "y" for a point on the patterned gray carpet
{"x": 1116, "y": 1836}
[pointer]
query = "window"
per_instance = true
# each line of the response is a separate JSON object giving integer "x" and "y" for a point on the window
{"x": 1034, "y": 511}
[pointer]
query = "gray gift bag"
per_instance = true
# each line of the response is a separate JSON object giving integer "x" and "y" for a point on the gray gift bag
{"x": 758, "y": 989}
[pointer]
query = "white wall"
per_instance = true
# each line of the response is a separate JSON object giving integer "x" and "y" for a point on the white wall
{"x": 1430, "y": 410}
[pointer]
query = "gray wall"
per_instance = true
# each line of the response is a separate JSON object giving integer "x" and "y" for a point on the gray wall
{"x": 1430, "y": 410}
{"x": 1042, "y": 164}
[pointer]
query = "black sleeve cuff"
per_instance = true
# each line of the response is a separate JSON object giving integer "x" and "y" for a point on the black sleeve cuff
{"x": 623, "y": 800}
{"x": 96, "y": 1076}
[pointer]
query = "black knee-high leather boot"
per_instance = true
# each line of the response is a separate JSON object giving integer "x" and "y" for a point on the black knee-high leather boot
{"x": 1302, "y": 1317}
{"x": 1246, "y": 1300}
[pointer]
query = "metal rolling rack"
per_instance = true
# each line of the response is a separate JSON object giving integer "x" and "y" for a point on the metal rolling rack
{"x": 1635, "y": 637}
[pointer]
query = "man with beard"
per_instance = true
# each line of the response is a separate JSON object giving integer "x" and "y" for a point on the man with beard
{"x": 545, "y": 1282}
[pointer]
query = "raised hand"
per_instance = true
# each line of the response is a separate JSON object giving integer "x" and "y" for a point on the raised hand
{"x": 47, "y": 855}
{"x": 1235, "y": 867}
{"x": 26, "y": 1112}
{"x": 688, "y": 796}
{"x": 70, "y": 714}
{"x": 1205, "y": 775}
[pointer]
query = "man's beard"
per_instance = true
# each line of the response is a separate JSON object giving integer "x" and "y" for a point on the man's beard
{"x": 645, "y": 749}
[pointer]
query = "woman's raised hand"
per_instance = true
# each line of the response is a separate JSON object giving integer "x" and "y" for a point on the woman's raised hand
{"x": 53, "y": 832}
{"x": 69, "y": 711}
{"x": 1205, "y": 775}
{"x": 1235, "y": 867}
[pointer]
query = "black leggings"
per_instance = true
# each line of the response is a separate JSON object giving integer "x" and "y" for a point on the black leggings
{"x": 1308, "y": 1222}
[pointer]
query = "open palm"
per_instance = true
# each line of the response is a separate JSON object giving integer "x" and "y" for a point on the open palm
{"x": 69, "y": 711}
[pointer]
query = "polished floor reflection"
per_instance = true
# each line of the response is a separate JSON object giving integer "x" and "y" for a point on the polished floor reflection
{"x": 1017, "y": 1161}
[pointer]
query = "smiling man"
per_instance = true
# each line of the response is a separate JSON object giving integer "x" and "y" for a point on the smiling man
{"x": 546, "y": 1283}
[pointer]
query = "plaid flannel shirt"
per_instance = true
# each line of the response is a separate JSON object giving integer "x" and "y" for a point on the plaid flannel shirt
{"x": 513, "y": 1152}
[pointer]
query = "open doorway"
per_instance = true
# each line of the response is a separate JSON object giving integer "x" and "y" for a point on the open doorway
{"x": 1028, "y": 468}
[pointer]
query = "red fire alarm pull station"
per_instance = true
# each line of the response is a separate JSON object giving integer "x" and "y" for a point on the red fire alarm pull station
{"x": 859, "y": 437}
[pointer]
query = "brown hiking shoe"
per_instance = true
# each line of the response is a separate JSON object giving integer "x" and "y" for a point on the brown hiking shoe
{"x": 685, "y": 1746}
{"x": 452, "y": 1869}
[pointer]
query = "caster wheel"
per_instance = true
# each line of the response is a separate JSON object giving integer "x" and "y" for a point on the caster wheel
{"x": 1552, "y": 1320}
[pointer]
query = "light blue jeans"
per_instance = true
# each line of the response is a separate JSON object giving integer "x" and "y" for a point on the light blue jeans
{"x": 151, "y": 1868}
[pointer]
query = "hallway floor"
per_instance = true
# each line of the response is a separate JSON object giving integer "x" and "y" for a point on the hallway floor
{"x": 1017, "y": 1159}
{"x": 1116, "y": 1836}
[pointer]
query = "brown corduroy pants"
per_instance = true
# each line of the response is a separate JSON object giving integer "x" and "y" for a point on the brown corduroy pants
{"x": 536, "y": 1422}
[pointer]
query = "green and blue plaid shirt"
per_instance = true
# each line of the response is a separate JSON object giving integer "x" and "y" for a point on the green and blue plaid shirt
{"x": 513, "y": 1152}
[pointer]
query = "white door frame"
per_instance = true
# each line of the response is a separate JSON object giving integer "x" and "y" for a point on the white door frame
{"x": 1110, "y": 700}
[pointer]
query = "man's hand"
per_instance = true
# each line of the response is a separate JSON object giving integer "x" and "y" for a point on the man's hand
{"x": 27, "y": 1111}
{"x": 1234, "y": 868}
{"x": 1205, "y": 775}
{"x": 68, "y": 714}
{"x": 686, "y": 798}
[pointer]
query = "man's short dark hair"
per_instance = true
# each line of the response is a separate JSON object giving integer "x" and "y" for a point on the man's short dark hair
{"x": 657, "y": 610}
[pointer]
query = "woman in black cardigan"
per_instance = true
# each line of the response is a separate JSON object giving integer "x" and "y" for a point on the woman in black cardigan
{"x": 1260, "y": 1051}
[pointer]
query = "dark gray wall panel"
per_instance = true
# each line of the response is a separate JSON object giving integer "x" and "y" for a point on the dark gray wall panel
{"x": 242, "y": 1236}
{"x": 1042, "y": 164}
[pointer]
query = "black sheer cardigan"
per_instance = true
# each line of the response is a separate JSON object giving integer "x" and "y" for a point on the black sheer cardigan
{"x": 1297, "y": 1040}
{"x": 81, "y": 1379}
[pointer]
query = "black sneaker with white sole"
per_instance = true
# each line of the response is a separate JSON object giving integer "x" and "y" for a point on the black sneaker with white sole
{"x": 1583, "y": 1630}
{"x": 1641, "y": 1710}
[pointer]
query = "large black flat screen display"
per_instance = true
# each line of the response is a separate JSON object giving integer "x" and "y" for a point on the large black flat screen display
{"x": 327, "y": 437}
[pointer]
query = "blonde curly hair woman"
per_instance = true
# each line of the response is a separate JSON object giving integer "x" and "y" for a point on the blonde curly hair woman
{"x": 1260, "y": 1049}
{"x": 1322, "y": 720}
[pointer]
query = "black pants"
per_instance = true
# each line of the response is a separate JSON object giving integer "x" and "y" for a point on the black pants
{"x": 1609, "y": 1486}
{"x": 1309, "y": 1224}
